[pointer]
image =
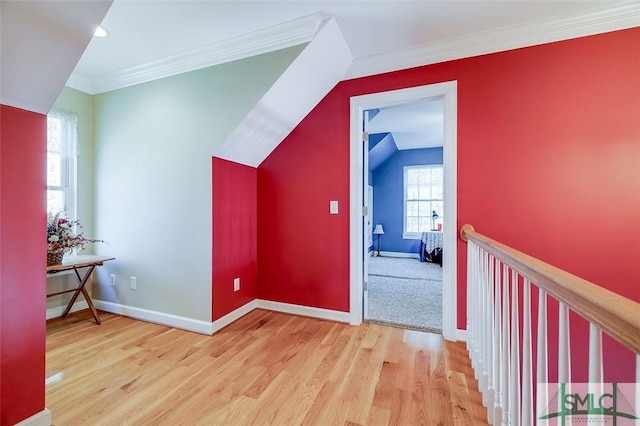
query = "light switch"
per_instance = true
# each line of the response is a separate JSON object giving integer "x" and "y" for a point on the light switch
{"x": 333, "y": 207}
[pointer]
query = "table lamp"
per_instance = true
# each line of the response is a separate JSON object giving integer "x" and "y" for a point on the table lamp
{"x": 434, "y": 216}
{"x": 378, "y": 231}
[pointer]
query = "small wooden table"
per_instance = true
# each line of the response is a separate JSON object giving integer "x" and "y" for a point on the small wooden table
{"x": 75, "y": 263}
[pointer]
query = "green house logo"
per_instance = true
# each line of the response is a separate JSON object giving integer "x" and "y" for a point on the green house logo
{"x": 588, "y": 403}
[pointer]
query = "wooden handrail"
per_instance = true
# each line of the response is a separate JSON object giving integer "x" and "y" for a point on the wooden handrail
{"x": 614, "y": 314}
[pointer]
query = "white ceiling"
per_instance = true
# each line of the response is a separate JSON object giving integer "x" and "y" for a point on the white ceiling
{"x": 413, "y": 125}
{"x": 33, "y": 64}
{"x": 148, "y": 38}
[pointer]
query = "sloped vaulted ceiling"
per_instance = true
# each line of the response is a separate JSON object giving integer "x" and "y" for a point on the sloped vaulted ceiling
{"x": 319, "y": 67}
{"x": 40, "y": 44}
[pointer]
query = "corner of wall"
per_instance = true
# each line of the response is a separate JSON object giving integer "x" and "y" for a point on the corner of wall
{"x": 22, "y": 181}
{"x": 234, "y": 236}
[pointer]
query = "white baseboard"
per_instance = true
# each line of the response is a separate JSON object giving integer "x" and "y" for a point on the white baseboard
{"x": 205, "y": 327}
{"x": 399, "y": 254}
{"x": 233, "y": 316}
{"x": 306, "y": 311}
{"x": 58, "y": 310}
{"x": 461, "y": 335}
{"x": 42, "y": 418}
{"x": 184, "y": 323}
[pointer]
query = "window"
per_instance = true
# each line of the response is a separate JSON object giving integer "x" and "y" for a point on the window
{"x": 423, "y": 194}
{"x": 61, "y": 161}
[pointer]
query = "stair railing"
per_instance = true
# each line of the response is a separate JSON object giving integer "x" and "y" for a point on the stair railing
{"x": 500, "y": 336}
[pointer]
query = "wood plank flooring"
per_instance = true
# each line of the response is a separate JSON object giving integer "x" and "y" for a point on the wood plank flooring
{"x": 266, "y": 368}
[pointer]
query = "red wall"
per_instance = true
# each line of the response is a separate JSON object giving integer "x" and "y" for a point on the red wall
{"x": 548, "y": 162}
{"x": 304, "y": 251}
{"x": 234, "y": 235}
{"x": 23, "y": 253}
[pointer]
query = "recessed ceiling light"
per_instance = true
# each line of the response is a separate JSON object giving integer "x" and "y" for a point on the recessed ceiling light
{"x": 100, "y": 32}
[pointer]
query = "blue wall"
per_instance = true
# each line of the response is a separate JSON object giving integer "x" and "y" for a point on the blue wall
{"x": 381, "y": 147}
{"x": 388, "y": 197}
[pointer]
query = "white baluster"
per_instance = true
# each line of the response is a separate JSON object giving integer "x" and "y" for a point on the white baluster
{"x": 470, "y": 278}
{"x": 542, "y": 361}
{"x": 476, "y": 287}
{"x": 482, "y": 381}
{"x": 514, "y": 385}
{"x": 595, "y": 366}
{"x": 476, "y": 313}
{"x": 488, "y": 321}
{"x": 497, "y": 347}
{"x": 471, "y": 281}
{"x": 637, "y": 381}
{"x": 506, "y": 404}
{"x": 527, "y": 366}
{"x": 564, "y": 350}
{"x": 595, "y": 354}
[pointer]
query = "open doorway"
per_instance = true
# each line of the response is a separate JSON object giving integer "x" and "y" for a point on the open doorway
{"x": 405, "y": 169}
{"x": 359, "y": 181}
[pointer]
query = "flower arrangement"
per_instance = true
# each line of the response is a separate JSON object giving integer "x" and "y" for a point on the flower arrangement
{"x": 61, "y": 236}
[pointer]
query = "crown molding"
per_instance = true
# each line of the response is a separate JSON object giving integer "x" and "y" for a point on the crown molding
{"x": 269, "y": 39}
{"x": 302, "y": 31}
{"x": 498, "y": 40}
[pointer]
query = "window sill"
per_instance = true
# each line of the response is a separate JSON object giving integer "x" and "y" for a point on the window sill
{"x": 412, "y": 236}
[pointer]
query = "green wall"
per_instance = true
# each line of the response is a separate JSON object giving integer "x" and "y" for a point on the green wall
{"x": 144, "y": 180}
{"x": 153, "y": 183}
{"x": 83, "y": 105}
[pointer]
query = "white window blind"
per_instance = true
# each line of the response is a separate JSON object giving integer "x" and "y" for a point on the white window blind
{"x": 62, "y": 141}
{"x": 423, "y": 194}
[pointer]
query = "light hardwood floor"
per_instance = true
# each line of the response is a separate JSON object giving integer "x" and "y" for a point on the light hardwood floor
{"x": 266, "y": 369}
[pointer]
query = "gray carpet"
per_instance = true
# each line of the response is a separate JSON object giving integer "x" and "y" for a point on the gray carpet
{"x": 402, "y": 267}
{"x": 405, "y": 293}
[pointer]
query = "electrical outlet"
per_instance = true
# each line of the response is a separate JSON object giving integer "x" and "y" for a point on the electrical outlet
{"x": 133, "y": 283}
{"x": 236, "y": 284}
{"x": 112, "y": 280}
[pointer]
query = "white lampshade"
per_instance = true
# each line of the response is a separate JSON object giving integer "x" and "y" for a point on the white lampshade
{"x": 378, "y": 230}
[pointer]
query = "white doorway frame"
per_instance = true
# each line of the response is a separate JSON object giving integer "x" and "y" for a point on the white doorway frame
{"x": 448, "y": 90}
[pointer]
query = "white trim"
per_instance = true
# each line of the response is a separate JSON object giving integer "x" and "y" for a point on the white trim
{"x": 42, "y": 418}
{"x": 400, "y": 254}
{"x": 306, "y": 311}
{"x": 209, "y": 328}
{"x": 396, "y": 97}
{"x": 58, "y": 310}
{"x": 302, "y": 30}
{"x": 412, "y": 236}
{"x": 461, "y": 335}
{"x": 184, "y": 323}
{"x": 243, "y": 310}
{"x": 450, "y": 219}
{"x": 276, "y": 37}
{"x": 499, "y": 40}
